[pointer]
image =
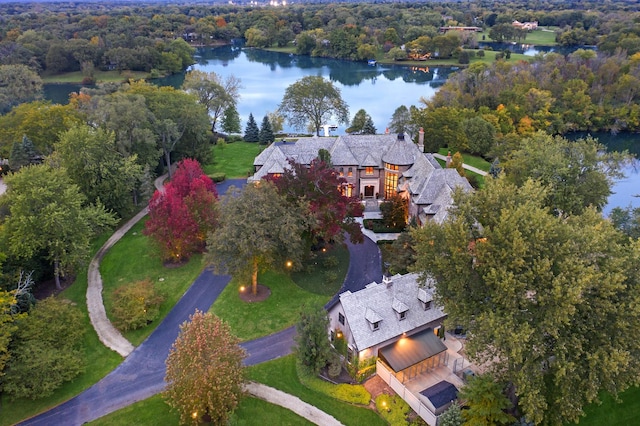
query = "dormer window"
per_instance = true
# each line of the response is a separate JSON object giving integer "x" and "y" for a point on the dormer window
{"x": 400, "y": 308}
{"x": 425, "y": 299}
{"x": 373, "y": 318}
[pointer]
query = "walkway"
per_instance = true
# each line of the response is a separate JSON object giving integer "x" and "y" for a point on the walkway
{"x": 465, "y": 166}
{"x": 141, "y": 374}
{"x": 292, "y": 403}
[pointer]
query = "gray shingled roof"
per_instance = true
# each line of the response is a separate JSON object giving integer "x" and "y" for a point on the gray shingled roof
{"x": 401, "y": 153}
{"x": 379, "y": 298}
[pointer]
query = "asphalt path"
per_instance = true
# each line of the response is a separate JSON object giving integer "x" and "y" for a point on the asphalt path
{"x": 141, "y": 374}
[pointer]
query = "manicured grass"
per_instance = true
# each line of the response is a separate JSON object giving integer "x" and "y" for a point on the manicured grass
{"x": 150, "y": 412}
{"x": 235, "y": 159}
{"x": 100, "y": 360}
{"x": 134, "y": 259}
{"x": 99, "y": 76}
{"x": 539, "y": 37}
{"x": 154, "y": 412}
{"x": 611, "y": 413}
{"x": 315, "y": 280}
{"x": 281, "y": 374}
{"x": 280, "y": 310}
{"x": 472, "y": 160}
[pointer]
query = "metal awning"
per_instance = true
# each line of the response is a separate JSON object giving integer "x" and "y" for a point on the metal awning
{"x": 411, "y": 350}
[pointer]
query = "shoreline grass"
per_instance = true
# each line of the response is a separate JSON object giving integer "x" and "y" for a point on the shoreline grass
{"x": 76, "y": 77}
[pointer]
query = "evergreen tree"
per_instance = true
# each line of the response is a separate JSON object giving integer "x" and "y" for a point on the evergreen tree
{"x": 313, "y": 345}
{"x": 231, "y": 120}
{"x": 251, "y": 132}
{"x": 22, "y": 154}
{"x": 369, "y": 128}
{"x": 266, "y": 132}
{"x": 452, "y": 416}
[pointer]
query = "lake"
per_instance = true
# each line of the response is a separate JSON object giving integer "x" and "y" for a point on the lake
{"x": 377, "y": 89}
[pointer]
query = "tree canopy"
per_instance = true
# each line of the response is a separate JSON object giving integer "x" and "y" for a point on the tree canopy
{"x": 214, "y": 92}
{"x": 205, "y": 375}
{"x": 258, "y": 230}
{"x": 47, "y": 350}
{"x": 547, "y": 300}
{"x": 330, "y": 213}
{"x": 313, "y": 101}
{"x": 47, "y": 213}
{"x": 183, "y": 213}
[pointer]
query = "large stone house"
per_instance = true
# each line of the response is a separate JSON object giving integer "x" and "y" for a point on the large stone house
{"x": 374, "y": 167}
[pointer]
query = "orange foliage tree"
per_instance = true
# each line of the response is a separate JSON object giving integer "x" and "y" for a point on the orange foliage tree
{"x": 205, "y": 375}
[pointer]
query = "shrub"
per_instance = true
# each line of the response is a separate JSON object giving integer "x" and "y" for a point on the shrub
{"x": 135, "y": 305}
{"x": 393, "y": 409}
{"x": 330, "y": 262}
{"x": 353, "y": 394}
{"x": 335, "y": 365}
{"x": 330, "y": 276}
{"x": 480, "y": 53}
{"x": 218, "y": 177}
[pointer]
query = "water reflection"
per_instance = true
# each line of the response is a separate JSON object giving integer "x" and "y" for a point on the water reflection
{"x": 530, "y": 49}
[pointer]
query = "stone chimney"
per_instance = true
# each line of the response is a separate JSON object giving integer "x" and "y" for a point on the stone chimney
{"x": 421, "y": 139}
{"x": 386, "y": 280}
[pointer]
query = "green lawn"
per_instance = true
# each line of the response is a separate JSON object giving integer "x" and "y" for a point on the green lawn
{"x": 280, "y": 310}
{"x": 100, "y": 76}
{"x": 470, "y": 159}
{"x": 315, "y": 281}
{"x": 539, "y": 37}
{"x": 134, "y": 258}
{"x": 235, "y": 159}
{"x": 100, "y": 360}
{"x": 611, "y": 413}
{"x": 154, "y": 412}
{"x": 281, "y": 374}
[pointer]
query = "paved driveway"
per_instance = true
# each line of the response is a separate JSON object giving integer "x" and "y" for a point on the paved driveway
{"x": 141, "y": 374}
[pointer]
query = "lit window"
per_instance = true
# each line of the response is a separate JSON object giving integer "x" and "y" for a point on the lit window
{"x": 340, "y": 318}
{"x": 350, "y": 172}
{"x": 341, "y": 172}
{"x": 390, "y": 184}
{"x": 368, "y": 170}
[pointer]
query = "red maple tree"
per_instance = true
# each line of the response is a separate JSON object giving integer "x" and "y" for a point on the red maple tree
{"x": 333, "y": 213}
{"x": 181, "y": 216}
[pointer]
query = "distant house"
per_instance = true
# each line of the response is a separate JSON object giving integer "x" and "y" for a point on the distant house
{"x": 374, "y": 167}
{"x": 528, "y": 26}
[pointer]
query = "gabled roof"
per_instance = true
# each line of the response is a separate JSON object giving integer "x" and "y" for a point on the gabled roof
{"x": 345, "y": 150}
{"x": 359, "y": 307}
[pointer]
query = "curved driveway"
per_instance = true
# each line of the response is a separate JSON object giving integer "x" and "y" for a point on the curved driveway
{"x": 141, "y": 374}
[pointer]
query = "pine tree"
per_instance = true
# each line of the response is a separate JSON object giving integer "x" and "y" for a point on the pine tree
{"x": 22, "y": 154}
{"x": 266, "y": 132}
{"x": 251, "y": 132}
{"x": 369, "y": 128}
{"x": 231, "y": 120}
